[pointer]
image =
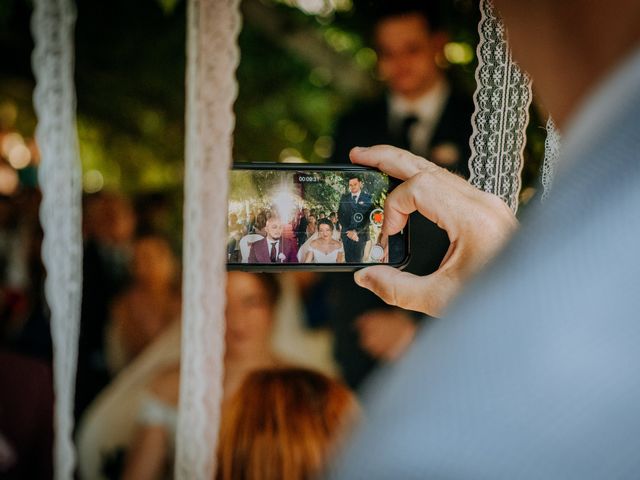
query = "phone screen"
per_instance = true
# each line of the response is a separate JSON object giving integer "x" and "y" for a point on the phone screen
{"x": 326, "y": 216}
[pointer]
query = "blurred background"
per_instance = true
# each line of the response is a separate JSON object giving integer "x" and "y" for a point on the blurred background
{"x": 304, "y": 64}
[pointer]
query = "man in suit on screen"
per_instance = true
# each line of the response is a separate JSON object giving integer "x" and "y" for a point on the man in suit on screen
{"x": 274, "y": 248}
{"x": 353, "y": 214}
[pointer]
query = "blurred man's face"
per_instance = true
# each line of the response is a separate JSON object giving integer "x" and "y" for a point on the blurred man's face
{"x": 355, "y": 186}
{"x": 406, "y": 54}
{"x": 274, "y": 229}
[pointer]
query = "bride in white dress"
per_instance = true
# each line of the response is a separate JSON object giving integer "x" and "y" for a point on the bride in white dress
{"x": 325, "y": 249}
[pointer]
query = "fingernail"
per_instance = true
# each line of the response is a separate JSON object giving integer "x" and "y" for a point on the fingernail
{"x": 360, "y": 149}
{"x": 360, "y": 277}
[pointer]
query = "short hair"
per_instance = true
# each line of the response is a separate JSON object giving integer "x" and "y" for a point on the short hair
{"x": 261, "y": 221}
{"x": 357, "y": 176}
{"x": 325, "y": 221}
{"x": 271, "y": 286}
{"x": 431, "y": 10}
{"x": 283, "y": 423}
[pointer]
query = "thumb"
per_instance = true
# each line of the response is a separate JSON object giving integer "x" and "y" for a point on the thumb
{"x": 429, "y": 294}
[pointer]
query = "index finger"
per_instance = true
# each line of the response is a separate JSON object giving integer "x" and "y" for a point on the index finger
{"x": 396, "y": 162}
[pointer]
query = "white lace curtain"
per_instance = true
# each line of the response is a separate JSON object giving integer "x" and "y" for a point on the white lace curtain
{"x": 502, "y": 99}
{"x": 212, "y": 58}
{"x": 59, "y": 176}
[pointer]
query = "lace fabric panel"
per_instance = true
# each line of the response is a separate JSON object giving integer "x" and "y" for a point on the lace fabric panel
{"x": 212, "y": 58}
{"x": 502, "y": 100}
{"x": 59, "y": 176}
{"x": 551, "y": 153}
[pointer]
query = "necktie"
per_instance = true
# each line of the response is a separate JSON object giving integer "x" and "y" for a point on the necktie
{"x": 405, "y": 131}
{"x": 355, "y": 198}
{"x": 274, "y": 256}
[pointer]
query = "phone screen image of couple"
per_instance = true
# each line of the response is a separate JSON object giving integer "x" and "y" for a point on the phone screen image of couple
{"x": 306, "y": 216}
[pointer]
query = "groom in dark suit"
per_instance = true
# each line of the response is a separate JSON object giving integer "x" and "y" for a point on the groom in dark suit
{"x": 273, "y": 248}
{"x": 353, "y": 214}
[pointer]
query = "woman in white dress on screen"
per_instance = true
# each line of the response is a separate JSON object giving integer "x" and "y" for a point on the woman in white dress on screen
{"x": 325, "y": 249}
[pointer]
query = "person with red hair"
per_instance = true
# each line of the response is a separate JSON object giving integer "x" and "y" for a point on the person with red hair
{"x": 283, "y": 424}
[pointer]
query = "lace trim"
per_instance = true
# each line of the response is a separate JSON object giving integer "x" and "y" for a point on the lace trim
{"x": 502, "y": 101}
{"x": 213, "y": 56}
{"x": 551, "y": 153}
{"x": 59, "y": 176}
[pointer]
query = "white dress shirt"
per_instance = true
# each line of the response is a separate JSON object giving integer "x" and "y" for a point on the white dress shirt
{"x": 427, "y": 109}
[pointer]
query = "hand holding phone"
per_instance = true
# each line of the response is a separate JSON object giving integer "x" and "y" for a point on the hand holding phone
{"x": 478, "y": 225}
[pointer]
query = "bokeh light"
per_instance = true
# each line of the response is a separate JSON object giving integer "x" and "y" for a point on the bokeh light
{"x": 291, "y": 155}
{"x": 9, "y": 180}
{"x": 320, "y": 77}
{"x": 320, "y": 7}
{"x": 459, "y": 53}
{"x": 366, "y": 58}
{"x": 8, "y": 114}
{"x": 93, "y": 181}
{"x": 9, "y": 142}
{"x": 20, "y": 156}
{"x": 323, "y": 147}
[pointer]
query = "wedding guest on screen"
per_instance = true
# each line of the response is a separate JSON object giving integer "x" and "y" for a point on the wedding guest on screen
{"x": 274, "y": 248}
{"x": 325, "y": 249}
{"x": 260, "y": 225}
{"x": 312, "y": 226}
{"x": 337, "y": 228}
{"x": 301, "y": 231}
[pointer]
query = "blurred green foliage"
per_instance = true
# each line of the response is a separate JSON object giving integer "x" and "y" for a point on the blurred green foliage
{"x": 130, "y": 70}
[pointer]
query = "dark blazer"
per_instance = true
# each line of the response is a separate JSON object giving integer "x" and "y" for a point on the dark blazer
{"x": 259, "y": 252}
{"x": 368, "y": 124}
{"x": 355, "y": 216}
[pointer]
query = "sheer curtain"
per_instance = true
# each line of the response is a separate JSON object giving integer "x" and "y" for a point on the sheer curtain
{"x": 502, "y": 99}
{"x": 212, "y": 58}
{"x": 59, "y": 176}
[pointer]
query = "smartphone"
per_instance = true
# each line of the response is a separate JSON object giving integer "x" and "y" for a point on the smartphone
{"x": 285, "y": 216}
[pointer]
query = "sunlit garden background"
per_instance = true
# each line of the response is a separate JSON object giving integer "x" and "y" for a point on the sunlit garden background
{"x": 304, "y": 62}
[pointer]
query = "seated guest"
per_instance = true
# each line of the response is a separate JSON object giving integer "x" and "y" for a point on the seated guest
{"x": 283, "y": 424}
{"x": 337, "y": 228}
{"x": 148, "y": 306}
{"x": 274, "y": 248}
{"x": 251, "y": 301}
{"x": 260, "y": 225}
{"x": 312, "y": 224}
{"x": 325, "y": 249}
